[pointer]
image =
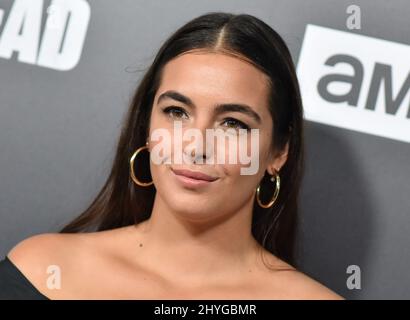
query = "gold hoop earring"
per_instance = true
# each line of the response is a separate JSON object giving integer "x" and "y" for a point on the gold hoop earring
{"x": 275, "y": 194}
{"x": 132, "y": 173}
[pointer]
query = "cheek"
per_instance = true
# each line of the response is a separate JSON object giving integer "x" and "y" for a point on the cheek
{"x": 241, "y": 183}
{"x": 162, "y": 177}
{"x": 249, "y": 158}
{"x": 156, "y": 121}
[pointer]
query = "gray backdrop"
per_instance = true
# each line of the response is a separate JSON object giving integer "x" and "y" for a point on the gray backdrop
{"x": 58, "y": 131}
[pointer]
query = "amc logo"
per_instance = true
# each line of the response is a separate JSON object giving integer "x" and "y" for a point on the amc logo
{"x": 58, "y": 46}
{"x": 356, "y": 82}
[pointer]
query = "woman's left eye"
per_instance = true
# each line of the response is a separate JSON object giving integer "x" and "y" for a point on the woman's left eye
{"x": 236, "y": 124}
{"x": 175, "y": 112}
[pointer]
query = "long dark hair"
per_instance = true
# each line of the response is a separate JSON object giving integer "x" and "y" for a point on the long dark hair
{"x": 121, "y": 202}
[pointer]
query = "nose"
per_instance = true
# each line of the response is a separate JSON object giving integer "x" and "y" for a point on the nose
{"x": 198, "y": 156}
{"x": 199, "y": 149}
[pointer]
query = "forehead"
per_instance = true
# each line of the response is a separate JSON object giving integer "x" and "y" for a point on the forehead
{"x": 216, "y": 78}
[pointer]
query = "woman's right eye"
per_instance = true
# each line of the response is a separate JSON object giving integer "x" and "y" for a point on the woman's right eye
{"x": 175, "y": 112}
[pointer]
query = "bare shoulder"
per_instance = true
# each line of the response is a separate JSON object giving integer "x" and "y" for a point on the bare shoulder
{"x": 49, "y": 247}
{"x": 34, "y": 255}
{"x": 303, "y": 287}
{"x": 41, "y": 247}
{"x": 71, "y": 254}
{"x": 283, "y": 281}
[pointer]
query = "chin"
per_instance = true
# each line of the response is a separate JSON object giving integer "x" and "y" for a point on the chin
{"x": 193, "y": 209}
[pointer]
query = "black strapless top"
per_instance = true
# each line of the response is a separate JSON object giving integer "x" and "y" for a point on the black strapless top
{"x": 14, "y": 285}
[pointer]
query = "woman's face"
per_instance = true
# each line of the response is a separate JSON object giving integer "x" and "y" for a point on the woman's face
{"x": 192, "y": 87}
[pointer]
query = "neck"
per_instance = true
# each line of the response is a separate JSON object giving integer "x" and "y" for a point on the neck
{"x": 191, "y": 250}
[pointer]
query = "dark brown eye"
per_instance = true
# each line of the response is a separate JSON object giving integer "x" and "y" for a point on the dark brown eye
{"x": 175, "y": 112}
{"x": 236, "y": 124}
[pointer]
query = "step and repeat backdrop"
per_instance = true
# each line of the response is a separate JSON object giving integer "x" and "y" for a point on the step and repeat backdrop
{"x": 68, "y": 69}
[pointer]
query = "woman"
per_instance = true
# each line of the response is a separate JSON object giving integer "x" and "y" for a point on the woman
{"x": 196, "y": 230}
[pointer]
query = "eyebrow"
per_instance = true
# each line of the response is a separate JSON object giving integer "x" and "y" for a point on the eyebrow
{"x": 219, "y": 108}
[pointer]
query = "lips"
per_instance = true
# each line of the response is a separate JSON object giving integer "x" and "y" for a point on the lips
{"x": 194, "y": 175}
